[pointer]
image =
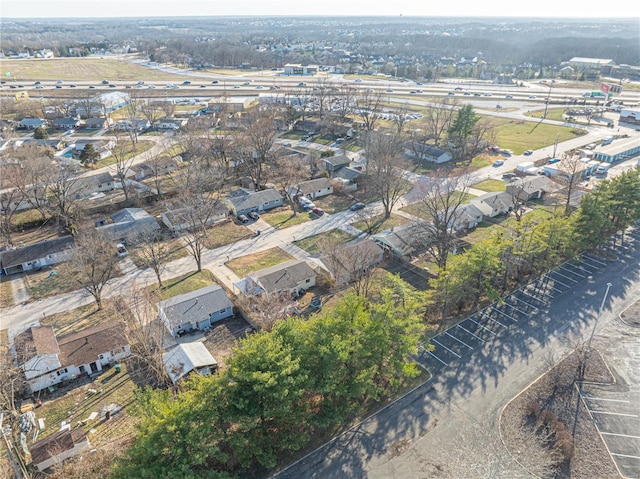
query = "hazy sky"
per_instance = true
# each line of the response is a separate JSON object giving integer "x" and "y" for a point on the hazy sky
{"x": 155, "y": 8}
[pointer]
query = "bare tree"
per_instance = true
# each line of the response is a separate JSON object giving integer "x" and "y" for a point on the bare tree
{"x": 367, "y": 107}
{"x": 441, "y": 200}
{"x": 287, "y": 172}
{"x": 33, "y": 177}
{"x": 345, "y": 101}
{"x": 168, "y": 107}
{"x": 199, "y": 202}
{"x": 145, "y": 332}
{"x": 384, "y": 168}
{"x": 63, "y": 195}
{"x": 351, "y": 263}
{"x": 153, "y": 250}
{"x": 93, "y": 264}
{"x": 149, "y": 109}
{"x": 438, "y": 118}
{"x": 10, "y": 201}
{"x": 253, "y": 147}
{"x": 123, "y": 157}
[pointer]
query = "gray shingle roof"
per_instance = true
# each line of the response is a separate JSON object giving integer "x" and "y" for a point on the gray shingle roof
{"x": 34, "y": 251}
{"x": 284, "y": 276}
{"x": 195, "y": 306}
{"x": 255, "y": 199}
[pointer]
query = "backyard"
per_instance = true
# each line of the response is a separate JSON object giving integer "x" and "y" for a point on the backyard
{"x": 253, "y": 262}
{"x": 314, "y": 244}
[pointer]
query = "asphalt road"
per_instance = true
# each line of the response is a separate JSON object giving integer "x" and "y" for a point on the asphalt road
{"x": 448, "y": 427}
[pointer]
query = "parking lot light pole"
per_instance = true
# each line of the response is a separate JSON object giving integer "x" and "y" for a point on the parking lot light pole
{"x": 593, "y": 332}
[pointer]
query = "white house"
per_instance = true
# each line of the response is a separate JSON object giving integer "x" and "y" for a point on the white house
{"x": 37, "y": 255}
{"x": 170, "y": 123}
{"x": 243, "y": 201}
{"x": 132, "y": 224}
{"x": 494, "y": 204}
{"x": 186, "y": 358}
{"x": 177, "y": 218}
{"x": 287, "y": 278}
{"x": 47, "y": 360}
{"x": 429, "y": 153}
{"x": 57, "y": 447}
{"x": 31, "y": 123}
{"x": 312, "y": 189}
{"x": 196, "y": 310}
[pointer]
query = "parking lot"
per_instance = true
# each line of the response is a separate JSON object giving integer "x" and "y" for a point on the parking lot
{"x": 496, "y": 319}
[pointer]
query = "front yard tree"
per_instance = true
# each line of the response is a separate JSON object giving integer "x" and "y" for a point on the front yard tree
{"x": 89, "y": 155}
{"x": 93, "y": 264}
{"x": 153, "y": 250}
{"x": 40, "y": 133}
{"x": 438, "y": 119}
{"x": 384, "y": 168}
{"x": 287, "y": 173}
{"x": 468, "y": 134}
{"x": 63, "y": 196}
{"x": 441, "y": 201}
{"x": 255, "y": 142}
{"x": 122, "y": 154}
{"x": 367, "y": 107}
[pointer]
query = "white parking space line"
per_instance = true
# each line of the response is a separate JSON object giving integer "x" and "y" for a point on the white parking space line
{"x": 524, "y": 302}
{"x": 527, "y": 294}
{"x": 496, "y": 321}
{"x": 624, "y": 455}
{"x": 620, "y": 435}
{"x": 433, "y": 340}
{"x": 446, "y": 364}
{"x": 612, "y": 413}
{"x": 460, "y": 341}
{"x": 486, "y": 329}
{"x": 505, "y": 314}
{"x": 593, "y": 398}
{"x": 571, "y": 271}
{"x": 518, "y": 310}
{"x": 586, "y": 270}
{"x": 590, "y": 258}
{"x": 564, "y": 276}
{"x": 559, "y": 282}
{"x": 465, "y": 329}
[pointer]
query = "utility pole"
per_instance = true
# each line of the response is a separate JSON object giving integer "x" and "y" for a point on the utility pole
{"x": 555, "y": 145}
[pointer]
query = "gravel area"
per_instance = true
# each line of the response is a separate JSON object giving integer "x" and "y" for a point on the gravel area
{"x": 557, "y": 392}
{"x": 631, "y": 315}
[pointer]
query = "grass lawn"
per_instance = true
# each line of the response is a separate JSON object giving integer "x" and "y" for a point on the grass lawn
{"x": 376, "y": 224}
{"x": 79, "y": 318}
{"x": 490, "y": 186}
{"x": 141, "y": 147}
{"x": 518, "y": 135}
{"x": 173, "y": 249}
{"x": 418, "y": 209}
{"x": 6, "y": 293}
{"x": 77, "y": 404}
{"x": 254, "y": 262}
{"x": 552, "y": 114}
{"x": 85, "y": 132}
{"x": 40, "y": 285}
{"x": 83, "y": 69}
{"x": 312, "y": 244}
{"x": 226, "y": 233}
{"x": 283, "y": 217}
{"x": 187, "y": 283}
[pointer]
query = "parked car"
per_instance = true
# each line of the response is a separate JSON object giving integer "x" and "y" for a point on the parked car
{"x": 498, "y": 163}
{"x": 317, "y": 211}
{"x": 509, "y": 176}
{"x": 253, "y": 215}
{"x": 357, "y": 206}
{"x": 121, "y": 250}
{"x": 243, "y": 219}
{"x": 528, "y": 152}
{"x": 316, "y": 303}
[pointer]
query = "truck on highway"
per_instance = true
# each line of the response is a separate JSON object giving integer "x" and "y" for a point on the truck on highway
{"x": 594, "y": 94}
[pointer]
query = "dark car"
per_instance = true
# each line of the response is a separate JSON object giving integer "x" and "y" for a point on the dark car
{"x": 112, "y": 86}
{"x": 253, "y": 215}
{"x": 357, "y": 206}
{"x": 186, "y": 82}
{"x": 105, "y": 82}
{"x": 509, "y": 176}
{"x": 214, "y": 82}
{"x": 528, "y": 152}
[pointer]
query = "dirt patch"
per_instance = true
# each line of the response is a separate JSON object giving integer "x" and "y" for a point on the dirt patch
{"x": 631, "y": 315}
{"x": 547, "y": 428}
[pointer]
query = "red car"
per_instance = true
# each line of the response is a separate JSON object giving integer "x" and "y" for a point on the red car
{"x": 317, "y": 211}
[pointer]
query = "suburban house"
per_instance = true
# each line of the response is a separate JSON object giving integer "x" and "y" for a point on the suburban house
{"x": 97, "y": 123}
{"x": 186, "y": 358}
{"x": 129, "y": 223}
{"x": 104, "y": 104}
{"x": 66, "y": 123}
{"x": 494, "y": 204}
{"x": 37, "y": 255}
{"x": 353, "y": 258}
{"x": 177, "y": 218}
{"x": 12, "y": 199}
{"x": 31, "y": 123}
{"x": 466, "y": 217}
{"x": 348, "y": 176}
{"x": 403, "y": 241}
{"x": 57, "y": 447}
{"x": 47, "y": 360}
{"x": 244, "y": 201}
{"x": 312, "y": 189}
{"x": 308, "y": 126}
{"x": 102, "y": 147}
{"x": 196, "y": 310}
{"x": 170, "y": 123}
{"x": 163, "y": 165}
{"x": 288, "y": 278}
{"x": 530, "y": 188}
{"x": 429, "y": 153}
{"x": 133, "y": 124}
{"x": 89, "y": 185}
{"x": 334, "y": 163}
